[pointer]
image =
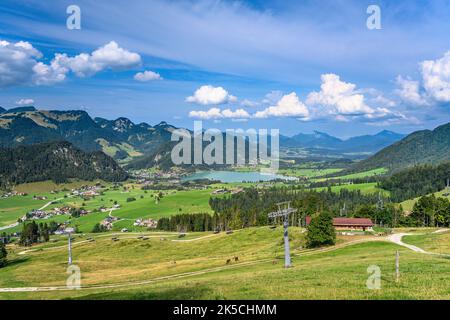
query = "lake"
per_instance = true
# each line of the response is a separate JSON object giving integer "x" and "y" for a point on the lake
{"x": 233, "y": 176}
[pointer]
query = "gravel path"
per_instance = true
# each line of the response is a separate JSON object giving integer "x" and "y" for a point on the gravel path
{"x": 397, "y": 239}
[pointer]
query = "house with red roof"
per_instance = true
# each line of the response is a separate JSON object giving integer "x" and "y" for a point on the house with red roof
{"x": 349, "y": 223}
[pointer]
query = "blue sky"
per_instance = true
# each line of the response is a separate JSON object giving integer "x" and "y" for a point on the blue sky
{"x": 294, "y": 65}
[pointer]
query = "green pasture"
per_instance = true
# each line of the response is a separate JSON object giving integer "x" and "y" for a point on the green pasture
{"x": 145, "y": 205}
{"x": 339, "y": 272}
{"x": 365, "y": 188}
{"x": 432, "y": 242}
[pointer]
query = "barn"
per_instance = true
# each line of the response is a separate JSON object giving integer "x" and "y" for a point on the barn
{"x": 349, "y": 223}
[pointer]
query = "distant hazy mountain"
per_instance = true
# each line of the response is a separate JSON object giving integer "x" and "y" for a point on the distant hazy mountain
{"x": 317, "y": 140}
{"x": 119, "y": 138}
{"x": 359, "y": 144}
{"x": 56, "y": 161}
{"x": 420, "y": 147}
{"x": 371, "y": 143}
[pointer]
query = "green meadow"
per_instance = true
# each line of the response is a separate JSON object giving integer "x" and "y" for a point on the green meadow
{"x": 308, "y": 173}
{"x": 351, "y": 176}
{"x": 145, "y": 205}
{"x": 432, "y": 242}
{"x": 15, "y": 207}
{"x": 364, "y": 174}
{"x": 165, "y": 267}
{"x": 365, "y": 188}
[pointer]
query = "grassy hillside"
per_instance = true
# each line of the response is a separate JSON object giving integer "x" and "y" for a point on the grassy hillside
{"x": 15, "y": 207}
{"x": 147, "y": 270}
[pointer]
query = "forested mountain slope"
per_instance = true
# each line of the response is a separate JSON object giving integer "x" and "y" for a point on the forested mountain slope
{"x": 56, "y": 161}
{"x": 421, "y": 147}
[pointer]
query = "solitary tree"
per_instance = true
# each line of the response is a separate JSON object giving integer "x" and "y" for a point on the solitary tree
{"x": 321, "y": 231}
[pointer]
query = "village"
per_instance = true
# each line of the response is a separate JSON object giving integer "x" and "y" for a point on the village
{"x": 85, "y": 193}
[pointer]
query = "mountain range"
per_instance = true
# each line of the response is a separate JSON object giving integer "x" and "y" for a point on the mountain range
{"x": 122, "y": 139}
{"x": 118, "y": 138}
{"x": 143, "y": 144}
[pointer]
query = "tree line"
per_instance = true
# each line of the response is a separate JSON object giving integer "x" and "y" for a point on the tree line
{"x": 250, "y": 208}
{"x": 189, "y": 222}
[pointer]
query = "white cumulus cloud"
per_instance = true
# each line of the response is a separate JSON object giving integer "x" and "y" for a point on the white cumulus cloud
{"x": 209, "y": 95}
{"x": 436, "y": 78}
{"x": 288, "y": 106}
{"x": 55, "y": 72}
{"x": 237, "y": 114}
{"x": 16, "y": 62}
{"x": 338, "y": 97}
{"x": 109, "y": 56}
{"x": 19, "y": 63}
{"x": 409, "y": 91}
{"x": 147, "y": 76}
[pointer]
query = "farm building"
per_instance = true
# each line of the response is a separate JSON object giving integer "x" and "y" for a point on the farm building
{"x": 349, "y": 223}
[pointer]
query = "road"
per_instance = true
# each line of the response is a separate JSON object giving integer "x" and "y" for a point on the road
{"x": 15, "y": 224}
